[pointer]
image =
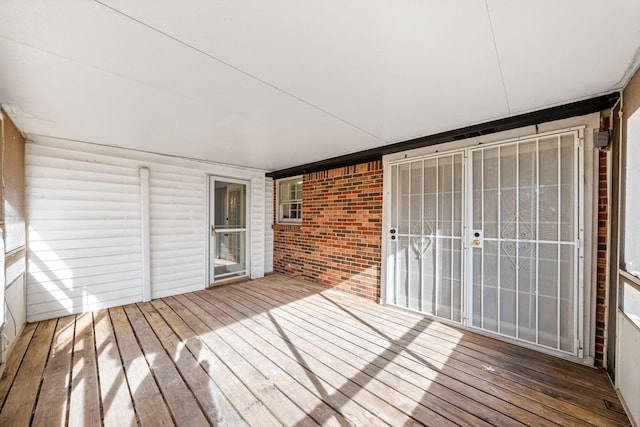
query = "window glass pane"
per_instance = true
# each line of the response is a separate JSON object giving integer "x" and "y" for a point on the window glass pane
{"x": 286, "y": 211}
{"x": 297, "y": 190}
{"x": 631, "y": 254}
{"x": 285, "y": 193}
{"x": 290, "y": 200}
{"x": 631, "y": 300}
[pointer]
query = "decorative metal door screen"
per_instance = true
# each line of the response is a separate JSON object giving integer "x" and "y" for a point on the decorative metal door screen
{"x": 489, "y": 237}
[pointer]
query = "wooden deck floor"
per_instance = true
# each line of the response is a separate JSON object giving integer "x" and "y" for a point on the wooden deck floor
{"x": 277, "y": 351}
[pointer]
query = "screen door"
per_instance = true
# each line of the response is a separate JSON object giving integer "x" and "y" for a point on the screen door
{"x": 426, "y": 238}
{"x": 488, "y": 237}
{"x": 228, "y": 229}
{"x": 524, "y": 213}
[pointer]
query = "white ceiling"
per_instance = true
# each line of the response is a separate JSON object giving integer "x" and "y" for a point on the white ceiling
{"x": 275, "y": 84}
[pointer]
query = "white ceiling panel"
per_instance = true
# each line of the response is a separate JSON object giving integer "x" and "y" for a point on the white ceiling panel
{"x": 376, "y": 65}
{"x": 277, "y": 84}
{"x": 553, "y": 51}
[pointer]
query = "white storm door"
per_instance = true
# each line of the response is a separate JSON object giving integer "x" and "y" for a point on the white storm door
{"x": 425, "y": 239}
{"x": 489, "y": 237}
{"x": 228, "y": 241}
{"x": 524, "y": 240}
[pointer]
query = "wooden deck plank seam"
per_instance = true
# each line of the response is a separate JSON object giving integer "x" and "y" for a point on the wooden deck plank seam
{"x": 195, "y": 357}
{"x": 188, "y": 346}
{"x": 95, "y": 356}
{"x": 226, "y": 364}
{"x": 70, "y": 382}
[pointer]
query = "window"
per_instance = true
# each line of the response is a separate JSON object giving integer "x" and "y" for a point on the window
{"x": 631, "y": 248}
{"x": 290, "y": 200}
{"x": 629, "y": 292}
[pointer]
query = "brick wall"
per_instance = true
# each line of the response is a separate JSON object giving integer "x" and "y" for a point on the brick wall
{"x": 601, "y": 280}
{"x": 603, "y": 251}
{"x": 339, "y": 241}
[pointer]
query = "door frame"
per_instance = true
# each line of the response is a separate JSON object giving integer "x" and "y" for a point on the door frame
{"x": 585, "y": 310}
{"x": 211, "y": 178}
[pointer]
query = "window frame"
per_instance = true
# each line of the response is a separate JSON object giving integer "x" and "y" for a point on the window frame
{"x": 279, "y": 203}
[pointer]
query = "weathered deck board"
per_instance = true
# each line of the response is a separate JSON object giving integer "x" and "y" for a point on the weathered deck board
{"x": 213, "y": 402}
{"x": 84, "y": 403}
{"x": 18, "y": 407}
{"x": 116, "y": 398}
{"x": 51, "y": 409}
{"x": 416, "y": 380}
{"x": 361, "y": 374}
{"x": 13, "y": 364}
{"x": 296, "y": 367}
{"x": 178, "y": 396}
{"x": 149, "y": 403}
{"x": 277, "y": 403}
{"x": 278, "y": 351}
{"x": 300, "y": 396}
{"x": 573, "y": 406}
{"x": 247, "y": 405}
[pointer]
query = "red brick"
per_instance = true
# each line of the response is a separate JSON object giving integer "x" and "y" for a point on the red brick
{"x": 338, "y": 243}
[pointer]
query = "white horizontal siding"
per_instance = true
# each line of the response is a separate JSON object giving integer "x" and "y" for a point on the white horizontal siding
{"x": 268, "y": 228}
{"x": 85, "y": 231}
{"x": 257, "y": 228}
{"x": 84, "y": 227}
{"x": 177, "y": 200}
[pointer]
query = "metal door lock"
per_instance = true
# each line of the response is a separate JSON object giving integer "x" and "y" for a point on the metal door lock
{"x": 393, "y": 232}
{"x": 478, "y": 238}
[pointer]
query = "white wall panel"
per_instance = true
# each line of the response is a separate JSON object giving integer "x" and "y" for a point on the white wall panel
{"x": 85, "y": 231}
{"x": 15, "y": 315}
{"x": 84, "y": 227}
{"x": 628, "y": 365}
{"x": 257, "y": 227}
{"x": 268, "y": 225}
{"x": 178, "y": 260}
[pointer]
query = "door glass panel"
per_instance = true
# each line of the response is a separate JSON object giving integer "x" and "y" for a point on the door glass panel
{"x": 228, "y": 231}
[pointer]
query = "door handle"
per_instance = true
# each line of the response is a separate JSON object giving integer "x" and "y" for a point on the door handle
{"x": 213, "y": 230}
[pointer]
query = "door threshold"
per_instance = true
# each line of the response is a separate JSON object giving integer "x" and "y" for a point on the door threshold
{"x": 229, "y": 281}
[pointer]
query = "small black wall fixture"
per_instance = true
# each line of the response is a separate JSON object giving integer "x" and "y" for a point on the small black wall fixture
{"x": 560, "y": 112}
